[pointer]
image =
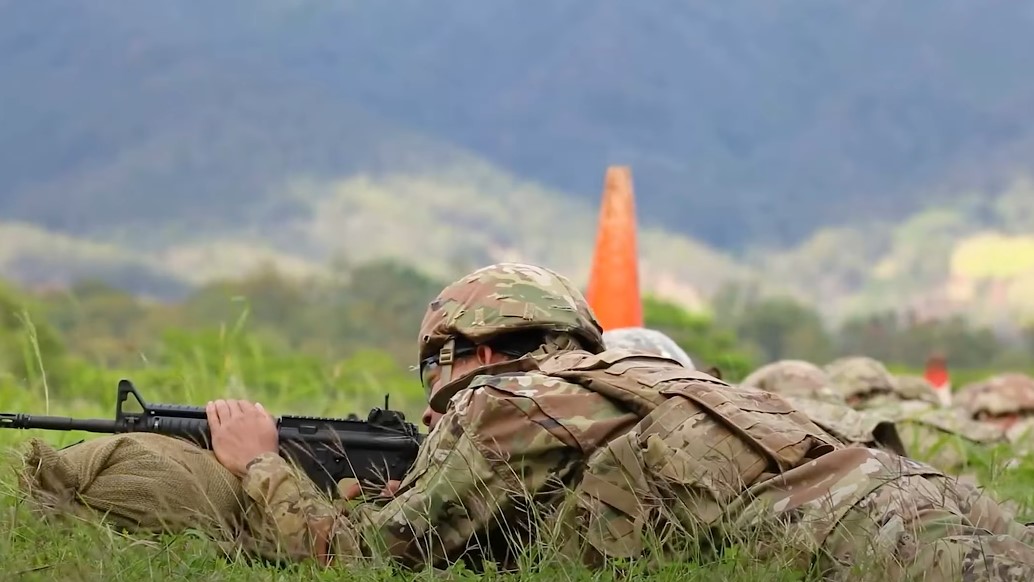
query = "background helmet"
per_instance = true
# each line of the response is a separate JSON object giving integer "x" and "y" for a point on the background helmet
{"x": 1003, "y": 394}
{"x": 796, "y": 378}
{"x": 860, "y": 377}
{"x": 917, "y": 388}
{"x": 651, "y": 341}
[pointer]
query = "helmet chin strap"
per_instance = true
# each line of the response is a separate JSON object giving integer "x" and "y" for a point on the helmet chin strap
{"x": 445, "y": 360}
{"x": 439, "y": 401}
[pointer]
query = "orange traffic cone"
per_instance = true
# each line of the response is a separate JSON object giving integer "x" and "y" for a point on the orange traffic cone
{"x": 613, "y": 291}
{"x": 938, "y": 376}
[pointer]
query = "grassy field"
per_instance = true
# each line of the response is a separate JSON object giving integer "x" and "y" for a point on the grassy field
{"x": 31, "y": 550}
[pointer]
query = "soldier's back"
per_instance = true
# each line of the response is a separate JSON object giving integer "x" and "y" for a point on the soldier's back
{"x": 700, "y": 444}
{"x": 715, "y": 464}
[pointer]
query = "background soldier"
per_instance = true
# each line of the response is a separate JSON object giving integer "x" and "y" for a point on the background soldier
{"x": 647, "y": 340}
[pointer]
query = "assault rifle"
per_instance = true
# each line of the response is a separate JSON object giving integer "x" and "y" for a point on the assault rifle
{"x": 382, "y": 448}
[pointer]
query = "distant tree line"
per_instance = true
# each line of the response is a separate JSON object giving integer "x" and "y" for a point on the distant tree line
{"x": 358, "y": 326}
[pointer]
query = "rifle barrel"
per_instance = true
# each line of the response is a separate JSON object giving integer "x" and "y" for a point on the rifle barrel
{"x": 29, "y": 421}
{"x": 179, "y": 426}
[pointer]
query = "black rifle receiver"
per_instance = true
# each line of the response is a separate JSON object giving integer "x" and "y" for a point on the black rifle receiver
{"x": 382, "y": 448}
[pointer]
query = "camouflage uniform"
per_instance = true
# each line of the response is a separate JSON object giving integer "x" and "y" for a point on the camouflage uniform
{"x": 601, "y": 447}
{"x": 946, "y": 438}
{"x": 937, "y": 435}
{"x": 650, "y": 341}
{"x": 1001, "y": 396}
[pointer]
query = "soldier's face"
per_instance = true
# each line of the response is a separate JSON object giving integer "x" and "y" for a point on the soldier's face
{"x": 1002, "y": 421}
{"x": 460, "y": 367}
{"x": 865, "y": 399}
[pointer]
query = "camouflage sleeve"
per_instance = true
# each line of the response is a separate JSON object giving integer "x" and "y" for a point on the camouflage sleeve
{"x": 291, "y": 516}
{"x": 483, "y": 456}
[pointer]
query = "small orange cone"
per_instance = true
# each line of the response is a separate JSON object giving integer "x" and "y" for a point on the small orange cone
{"x": 613, "y": 291}
{"x": 938, "y": 376}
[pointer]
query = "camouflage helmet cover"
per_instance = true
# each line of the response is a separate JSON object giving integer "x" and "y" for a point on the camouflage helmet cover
{"x": 1002, "y": 394}
{"x": 916, "y": 388}
{"x": 796, "y": 378}
{"x": 643, "y": 339}
{"x": 505, "y": 298}
{"x": 860, "y": 376}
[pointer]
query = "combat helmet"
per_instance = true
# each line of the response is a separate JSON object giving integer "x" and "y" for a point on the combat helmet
{"x": 860, "y": 379}
{"x": 1005, "y": 394}
{"x": 501, "y": 299}
{"x": 642, "y": 339}
{"x": 916, "y": 388}
{"x": 796, "y": 378}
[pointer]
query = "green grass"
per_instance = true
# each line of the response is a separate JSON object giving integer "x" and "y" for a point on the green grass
{"x": 79, "y": 550}
{"x": 76, "y": 549}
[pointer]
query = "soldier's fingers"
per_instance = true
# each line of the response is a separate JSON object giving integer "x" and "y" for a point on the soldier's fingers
{"x": 390, "y": 488}
{"x": 254, "y": 410}
{"x": 240, "y": 407}
{"x": 354, "y": 490}
{"x": 222, "y": 408}
{"x": 213, "y": 415}
{"x": 246, "y": 408}
{"x": 261, "y": 409}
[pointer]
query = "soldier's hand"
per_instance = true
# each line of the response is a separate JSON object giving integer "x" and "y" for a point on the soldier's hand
{"x": 390, "y": 488}
{"x": 241, "y": 431}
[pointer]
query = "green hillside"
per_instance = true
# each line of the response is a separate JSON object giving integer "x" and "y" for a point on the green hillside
{"x": 442, "y": 223}
{"x": 158, "y": 145}
{"x": 974, "y": 256}
{"x": 749, "y": 122}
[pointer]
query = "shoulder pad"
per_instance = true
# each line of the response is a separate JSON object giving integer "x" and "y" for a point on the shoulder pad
{"x": 522, "y": 384}
{"x": 613, "y": 356}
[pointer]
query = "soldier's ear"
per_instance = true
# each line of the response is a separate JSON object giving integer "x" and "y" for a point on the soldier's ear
{"x": 484, "y": 354}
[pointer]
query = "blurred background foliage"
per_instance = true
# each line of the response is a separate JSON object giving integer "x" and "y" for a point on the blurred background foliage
{"x": 338, "y": 345}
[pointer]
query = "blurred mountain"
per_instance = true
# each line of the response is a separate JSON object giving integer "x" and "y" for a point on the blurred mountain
{"x": 857, "y": 154}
